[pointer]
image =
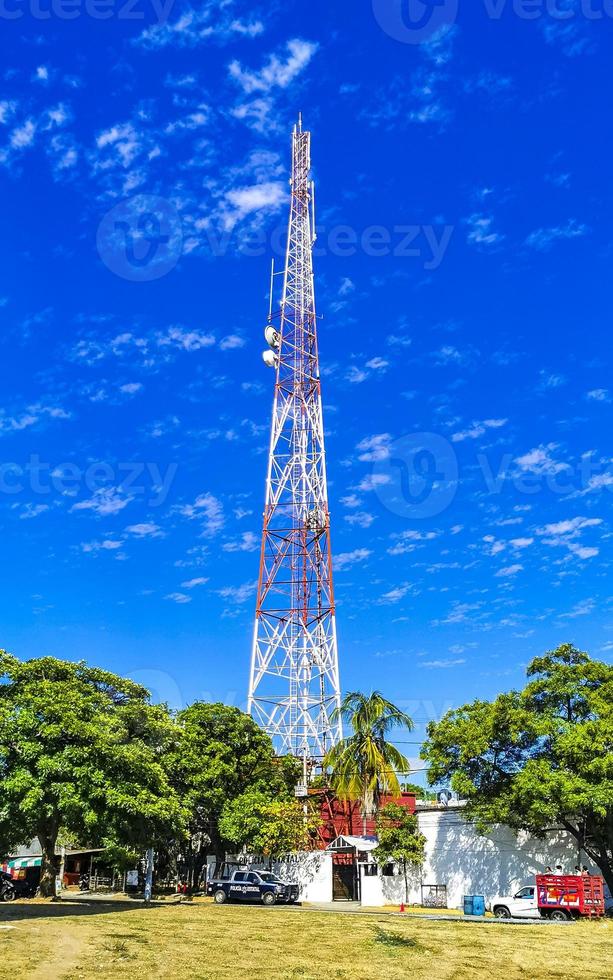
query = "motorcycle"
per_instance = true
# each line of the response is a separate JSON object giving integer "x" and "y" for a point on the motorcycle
{"x": 7, "y": 888}
{"x": 84, "y": 883}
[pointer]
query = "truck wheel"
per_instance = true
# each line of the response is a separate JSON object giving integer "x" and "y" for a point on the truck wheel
{"x": 502, "y": 912}
{"x": 268, "y": 898}
{"x": 220, "y": 896}
{"x": 559, "y": 915}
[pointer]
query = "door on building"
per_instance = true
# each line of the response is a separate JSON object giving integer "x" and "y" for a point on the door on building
{"x": 345, "y": 880}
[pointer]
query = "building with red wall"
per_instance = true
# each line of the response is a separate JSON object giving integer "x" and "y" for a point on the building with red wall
{"x": 342, "y": 818}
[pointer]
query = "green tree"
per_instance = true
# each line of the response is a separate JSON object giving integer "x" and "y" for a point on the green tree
{"x": 365, "y": 764}
{"x": 538, "y": 759}
{"x": 399, "y": 840}
{"x": 80, "y": 752}
{"x": 419, "y": 792}
{"x": 268, "y": 826}
{"x": 222, "y": 754}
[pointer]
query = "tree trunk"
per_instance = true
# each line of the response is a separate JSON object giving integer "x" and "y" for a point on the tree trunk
{"x": 47, "y": 871}
{"x": 597, "y": 850}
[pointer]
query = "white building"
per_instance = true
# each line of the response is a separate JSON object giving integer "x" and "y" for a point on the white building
{"x": 458, "y": 862}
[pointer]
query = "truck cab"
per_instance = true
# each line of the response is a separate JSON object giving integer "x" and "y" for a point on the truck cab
{"x": 523, "y": 904}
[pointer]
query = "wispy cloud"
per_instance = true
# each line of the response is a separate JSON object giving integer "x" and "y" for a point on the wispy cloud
{"x": 349, "y": 558}
{"x": 543, "y": 238}
{"x": 541, "y": 461}
{"x": 278, "y": 71}
{"x": 478, "y": 429}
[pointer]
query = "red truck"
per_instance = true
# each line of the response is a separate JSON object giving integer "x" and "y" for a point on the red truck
{"x": 570, "y": 896}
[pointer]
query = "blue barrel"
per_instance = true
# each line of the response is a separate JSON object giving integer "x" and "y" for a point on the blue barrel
{"x": 474, "y": 905}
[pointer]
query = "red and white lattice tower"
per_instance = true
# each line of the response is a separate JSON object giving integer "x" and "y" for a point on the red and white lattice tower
{"x": 294, "y": 685}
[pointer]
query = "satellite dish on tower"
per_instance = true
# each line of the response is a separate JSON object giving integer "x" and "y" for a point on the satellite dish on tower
{"x": 272, "y": 338}
{"x": 270, "y": 358}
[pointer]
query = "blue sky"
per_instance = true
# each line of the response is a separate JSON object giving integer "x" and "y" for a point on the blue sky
{"x": 463, "y": 277}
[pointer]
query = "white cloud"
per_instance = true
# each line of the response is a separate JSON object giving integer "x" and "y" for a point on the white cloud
{"x": 179, "y": 597}
{"x": 104, "y": 502}
{"x": 107, "y": 545}
{"x": 377, "y": 364}
{"x": 540, "y": 461}
{"x": 372, "y": 481}
{"x": 543, "y": 238}
{"x": 131, "y": 388}
{"x": 481, "y": 232}
{"x": 145, "y": 530}
{"x": 442, "y": 664}
{"x": 566, "y": 533}
{"x": 209, "y": 510}
{"x": 356, "y": 375}
{"x": 193, "y": 583}
{"x": 277, "y": 72}
{"x": 395, "y": 595}
{"x": 248, "y": 541}
{"x": 350, "y": 558}
{"x": 599, "y": 395}
{"x": 23, "y": 136}
{"x": 583, "y": 608}
{"x": 509, "y": 571}
{"x": 188, "y": 340}
{"x": 262, "y": 198}
{"x": 478, "y": 429}
{"x": 232, "y": 342}
{"x": 352, "y": 500}
{"x": 374, "y": 448}
{"x": 195, "y": 26}
{"x": 410, "y": 540}
{"x": 32, "y": 510}
{"x": 361, "y": 519}
{"x": 238, "y": 595}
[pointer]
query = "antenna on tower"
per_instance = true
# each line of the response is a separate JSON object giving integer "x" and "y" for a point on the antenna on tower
{"x": 272, "y": 279}
{"x": 294, "y": 688}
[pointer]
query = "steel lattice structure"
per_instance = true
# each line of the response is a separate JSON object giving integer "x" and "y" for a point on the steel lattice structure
{"x": 294, "y": 685}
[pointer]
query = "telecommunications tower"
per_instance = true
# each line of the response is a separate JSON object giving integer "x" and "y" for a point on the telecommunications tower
{"x": 294, "y": 686}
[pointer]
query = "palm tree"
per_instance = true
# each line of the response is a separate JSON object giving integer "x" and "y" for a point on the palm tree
{"x": 365, "y": 765}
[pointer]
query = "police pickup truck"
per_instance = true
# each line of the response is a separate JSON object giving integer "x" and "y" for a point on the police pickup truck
{"x": 252, "y": 886}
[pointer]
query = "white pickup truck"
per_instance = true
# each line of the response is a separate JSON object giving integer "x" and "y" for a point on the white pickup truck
{"x": 522, "y": 905}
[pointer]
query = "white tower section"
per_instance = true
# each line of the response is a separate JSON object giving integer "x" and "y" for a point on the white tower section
{"x": 294, "y": 685}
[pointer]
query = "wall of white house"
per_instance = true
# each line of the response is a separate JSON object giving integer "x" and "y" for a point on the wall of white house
{"x": 456, "y": 856}
{"x": 470, "y": 864}
{"x": 311, "y": 871}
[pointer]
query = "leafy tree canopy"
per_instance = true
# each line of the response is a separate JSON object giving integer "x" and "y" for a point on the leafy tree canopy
{"x": 365, "y": 765}
{"x": 222, "y": 754}
{"x": 268, "y": 826}
{"x": 80, "y": 751}
{"x": 540, "y": 758}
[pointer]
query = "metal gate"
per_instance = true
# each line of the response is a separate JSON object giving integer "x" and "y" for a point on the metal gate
{"x": 345, "y": 878}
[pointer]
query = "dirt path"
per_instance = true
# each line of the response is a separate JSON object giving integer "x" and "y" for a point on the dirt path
{"x": 62, "y": 959}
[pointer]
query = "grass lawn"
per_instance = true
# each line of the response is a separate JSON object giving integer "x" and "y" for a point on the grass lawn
{"x": 65, "y": 941}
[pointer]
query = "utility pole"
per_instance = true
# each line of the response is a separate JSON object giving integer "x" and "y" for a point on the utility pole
{"x": 294, "y": 687}
{"x": 148, "y": 874}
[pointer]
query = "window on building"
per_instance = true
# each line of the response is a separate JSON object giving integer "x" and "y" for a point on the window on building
{"x": 388, "y": 870}
{"x": 370, "y": 870}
